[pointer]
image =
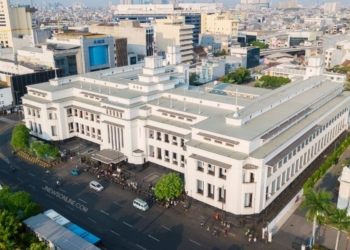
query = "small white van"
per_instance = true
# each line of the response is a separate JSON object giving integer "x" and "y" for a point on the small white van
{"x": 140, "y": 204}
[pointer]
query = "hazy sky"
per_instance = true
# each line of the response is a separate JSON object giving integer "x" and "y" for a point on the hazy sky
{"x": 94, "y": 3}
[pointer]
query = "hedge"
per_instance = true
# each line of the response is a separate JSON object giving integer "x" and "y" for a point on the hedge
{"x": 318, "y": 174}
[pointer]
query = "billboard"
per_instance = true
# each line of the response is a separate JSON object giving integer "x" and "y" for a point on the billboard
{"x": 98, "y": 55}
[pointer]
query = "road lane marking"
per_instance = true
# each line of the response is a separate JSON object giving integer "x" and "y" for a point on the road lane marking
{"x": 62, "y": 190}
{"x": 153, "y": 238}
{"x": 75, "y": 183}
{"x": 19, "y": 179}
{"x": 104, "y": 212}
{"x": 92, "y": 220}
{"x": 115, "y": 233}
{"x": 5, "y": 171}
{"x": 141, "y": 215}
{"x": 196, "y": 243}
{"x": 127, "y": 224}
{"x": 17, "y": 167}
{"x": 118, "y": 204}
{"x": 31, "y": 174}
{"x": 69, "y": 207}
{"x": 141, "y": 247}
{"x": 82, "y": 200}
{"x": 50, "y": 196}
{"x": 166, "y": 228}
{"x": 31, "y": 186}
{"x": 44, "y": 181}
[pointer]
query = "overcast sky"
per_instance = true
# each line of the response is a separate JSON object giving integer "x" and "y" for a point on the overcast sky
{"x": 94, "y": 3}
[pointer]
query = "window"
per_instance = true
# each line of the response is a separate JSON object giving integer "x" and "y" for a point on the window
{"x": 200, "y": 166}
{"x": 222, "y": 194}
{"x": 174, "y": 140}
{"x": 278, "y": 182}
{"x": 70, "y": 127}
{"x": 211, "y": 169}
{"x": 69, "y": 112}
{"x": 92, "y": 117}
{"x": 211, "y": 191}
{"x": 76, "y": 127}
{"x": 166, "y": 138}
{"x": 39, "y": 129}
{"x": 174, "y": 158}
{"x": 50, "y": 116}
{"x": 182, "y": 161}
{"x": 248, "y": 198}
{"x": 269, "y": 171}
{"x": 75, "y": 112}
{"x": 166, "y": 155}
{"x": 222, "y": 173}
{"x": 199, "y": 187}
{"x": 159, "y": 136}
{"x": 53, "y": 131}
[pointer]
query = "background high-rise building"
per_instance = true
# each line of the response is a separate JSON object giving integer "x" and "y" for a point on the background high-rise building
{"x": 221, "y": 24}
{"x": 15, "y": 21}
{"x": 173, "y": 31}
{"x": 331, "y": 7}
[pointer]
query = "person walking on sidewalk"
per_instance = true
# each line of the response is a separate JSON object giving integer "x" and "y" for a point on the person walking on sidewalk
{"x": 202, "y": 224}
{"x": 225, "y": 233}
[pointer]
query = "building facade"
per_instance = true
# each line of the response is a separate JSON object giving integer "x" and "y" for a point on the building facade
{"x": 16, "y": 21}
{"x": 332, "y": 7}
{"x": 140, "y": 37}
{"x": 221, "y": 24}
{"x": 238, "y": 147}
{"x": 174, "y": 31}
{"x": 250, "y": 56}
{"x": 147, "y": 12}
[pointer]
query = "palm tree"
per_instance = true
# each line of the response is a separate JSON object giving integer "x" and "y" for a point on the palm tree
{"x": 318, "y": 204}
{"x": 341, "y": 220}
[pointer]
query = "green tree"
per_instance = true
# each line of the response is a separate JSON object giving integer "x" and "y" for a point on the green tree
{"x": 20, "y": 136}
{"x": 32, "y": 209}
{"x": 169, "y": 186}
{"x": 318, "y": 203}
{"x": 223, "y": 52}
{"x": 19, "y": 201}
{"x": 194, "y": 79}
{"x": 239, "y": 76}
{"x": 43, "y": 149}
{"x": 9, "y": 226}
{"x": 37, "y": 246}
{"x": 340, "y": 219}
{"x": 259, "y": 44}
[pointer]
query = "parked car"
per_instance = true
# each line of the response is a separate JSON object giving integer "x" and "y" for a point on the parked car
{"x": 96, "y": 186}
{"x": 75, "y": 172}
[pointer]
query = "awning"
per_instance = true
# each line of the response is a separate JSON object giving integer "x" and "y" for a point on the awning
{"x": 210, "y": 161}
{"x": 109, "y": 156}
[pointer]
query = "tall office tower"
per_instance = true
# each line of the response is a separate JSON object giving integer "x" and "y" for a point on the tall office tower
{"x": 15, "y": 21}
{"x": 331, "y": 7}
{"x": 174, "y": 31}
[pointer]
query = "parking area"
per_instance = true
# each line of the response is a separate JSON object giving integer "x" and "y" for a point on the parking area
{"x": 77, "y": 147}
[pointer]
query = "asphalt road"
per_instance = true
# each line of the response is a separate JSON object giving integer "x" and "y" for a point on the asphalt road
{"x": 109, "y": 214}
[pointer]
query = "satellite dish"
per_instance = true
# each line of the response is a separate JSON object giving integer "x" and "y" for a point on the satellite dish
{"x": 215, "y": 82}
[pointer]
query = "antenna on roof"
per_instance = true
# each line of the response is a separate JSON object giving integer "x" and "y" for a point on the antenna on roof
{"x": 56, "y": 78}
{"x": 185, "y": 100}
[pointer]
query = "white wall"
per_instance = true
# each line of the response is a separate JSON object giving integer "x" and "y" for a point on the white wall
{"x": 5, "y": 97}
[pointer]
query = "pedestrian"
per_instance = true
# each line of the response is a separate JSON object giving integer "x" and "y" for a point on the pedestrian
{"x": 215, "y": 233}
{"x": 225, "y": 233}
{"x": 98, "y": 176}
{"x": 185, "y": 206}
{"x": 76, "y": 167}
{"x": 254, "y": 239}
{"x": 202, "y": 224}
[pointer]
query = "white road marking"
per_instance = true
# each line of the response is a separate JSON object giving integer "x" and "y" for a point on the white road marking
{"x": 153, "y": 238}
{"x": 82, "y": 200}
{"x": 166, "y": 228}
{"x": 17, "y": 167}
{"x": 62, "y": 167}
{"x": 115, "y": 233}
{"x": 195, "y": 242}
{"x": 92, "y": 220}
{"x": 62, "y": 190}
{"x": 104, "y": 212}
{"x": 50, "y": 196}
{"x": 141, "y": 215}
{"x": 4, "y": 171}
{"x": 32, "y": 174}
{"x": 127, "y": 224}
{"x": 75, "y": 183}
{"x": 19, "y": 179}
{"x": 44, "y": 181}
{"x": 141, "y": 247}
{"x": 69, "y": 207}
{"x": 118, "y": 204}
{"x": 31, "y": 186}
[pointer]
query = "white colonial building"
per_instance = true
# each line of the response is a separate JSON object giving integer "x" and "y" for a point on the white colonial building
{"x": 238, "y": 147}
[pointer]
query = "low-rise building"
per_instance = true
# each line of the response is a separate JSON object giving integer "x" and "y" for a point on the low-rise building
{"x": 218, "y": 43}
{"x": 210, "y": 69}
{"x": 333, "y": 57}
{"x": 239, "y": 150}
{"x": 250, "y": 56}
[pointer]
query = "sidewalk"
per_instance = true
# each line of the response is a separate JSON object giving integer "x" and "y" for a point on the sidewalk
{"x": 299, "y": 231}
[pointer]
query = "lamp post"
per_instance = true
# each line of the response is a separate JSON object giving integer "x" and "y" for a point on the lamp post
{"x": 17, "y": 105}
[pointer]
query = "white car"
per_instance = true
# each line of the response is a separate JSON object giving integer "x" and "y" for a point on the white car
{"x": 96, "y": 186}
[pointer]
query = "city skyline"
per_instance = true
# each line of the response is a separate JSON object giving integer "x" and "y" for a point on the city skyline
{"x": 91, "y": 3}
